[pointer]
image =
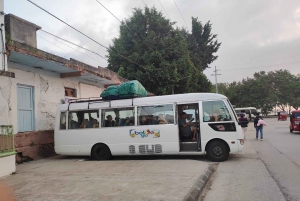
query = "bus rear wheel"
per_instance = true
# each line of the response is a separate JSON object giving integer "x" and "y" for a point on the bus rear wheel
{"x": 101, "y": 152}
{"x": 217, "y": 151}
{"x": 291, "y": 130}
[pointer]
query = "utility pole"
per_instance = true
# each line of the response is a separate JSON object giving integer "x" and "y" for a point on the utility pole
{"x": 216, "y": 74}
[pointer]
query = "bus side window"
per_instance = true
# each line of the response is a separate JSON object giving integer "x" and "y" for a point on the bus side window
{"x": 118, "y": 117}
{"x": 73, "y": 120}
{"x": 158, "y": 114}
{"x": 63, "y": 121}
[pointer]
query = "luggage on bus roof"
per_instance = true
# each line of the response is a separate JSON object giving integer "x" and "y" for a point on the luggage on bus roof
{"x": 129, "y": 89}
{"x": 110, "y": 93}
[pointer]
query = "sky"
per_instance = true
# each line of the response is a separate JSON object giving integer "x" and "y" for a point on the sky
{"x": 256, "y": 35}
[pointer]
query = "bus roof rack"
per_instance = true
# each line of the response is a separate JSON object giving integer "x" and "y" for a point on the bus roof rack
{"x": 92, "y": 100}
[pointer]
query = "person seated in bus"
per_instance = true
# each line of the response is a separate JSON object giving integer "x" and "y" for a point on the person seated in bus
{"x": 161, "y": 120}
{"x": 143, "y": 121}
{"x": 109, "y": 122}
{"x": 128, "y": 122}
{"x": 90, "y": 123}
{"x": 187, "y": 131}
{"x": 96, "y": 123}
{"x": 216, "y": 115}
{"x": 84, "y": 123}
{"x": 117, "y": 120}
{"x": 73, "y": 124}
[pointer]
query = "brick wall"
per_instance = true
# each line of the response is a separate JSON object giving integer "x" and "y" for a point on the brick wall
{"x": 34, "y": 145}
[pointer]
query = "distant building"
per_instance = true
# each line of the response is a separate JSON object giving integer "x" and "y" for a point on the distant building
{"x": 35, "y": 82}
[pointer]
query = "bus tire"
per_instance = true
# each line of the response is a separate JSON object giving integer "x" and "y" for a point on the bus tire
{"x": 291, "y": 130}
{"x": 217, "y": 151}
{"x": 101, "y": 152}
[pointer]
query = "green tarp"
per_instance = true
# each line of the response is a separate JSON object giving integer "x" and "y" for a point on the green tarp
{"x": 111, "y": 92}
{"x": 132, "y": 89}
{"x": 129, "y": 89}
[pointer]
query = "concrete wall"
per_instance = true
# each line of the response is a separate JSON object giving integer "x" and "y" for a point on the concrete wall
{"x": 48, "y": 93}
{"x": 21, "y": 30}
{"x": 7, "y": 165}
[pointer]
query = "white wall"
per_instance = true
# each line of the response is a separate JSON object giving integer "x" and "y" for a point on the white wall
{"x": 7, "y": 165}
{"x": 48, "y": 93}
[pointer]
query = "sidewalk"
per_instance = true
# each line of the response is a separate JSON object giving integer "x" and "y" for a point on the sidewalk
{"x": 62, "y": 178}
{"x": 244, "y": 177}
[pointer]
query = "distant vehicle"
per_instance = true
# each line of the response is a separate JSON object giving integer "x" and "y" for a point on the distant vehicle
{"x": 295, "y": 121}
{"x": 282, "y": 116}
{"x": 250, "y": 111}
{"x": 245, "y": 115}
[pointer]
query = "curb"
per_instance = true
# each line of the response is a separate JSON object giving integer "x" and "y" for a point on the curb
{"x": 197, "y": 188}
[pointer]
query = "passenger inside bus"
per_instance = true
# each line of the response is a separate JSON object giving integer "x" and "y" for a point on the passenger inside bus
{"x": 143, "y": 121}
{"x": 73, "y": 124}
{"x": 85, "y": 124}
{"x": 109, "y": 122}
{"x": 95, "y": 123}
{"x": 128, "y": 122}
{"x": 161, "y": 119}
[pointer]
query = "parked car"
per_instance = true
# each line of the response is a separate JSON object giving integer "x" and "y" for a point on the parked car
{"x": 295, "y": 121}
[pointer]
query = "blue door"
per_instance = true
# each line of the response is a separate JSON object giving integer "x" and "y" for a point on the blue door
{"x": 25, "y": 108}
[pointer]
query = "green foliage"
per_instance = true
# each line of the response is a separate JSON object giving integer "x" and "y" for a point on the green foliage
{"x": 264, "y": 91}
{"x": 163, "y": 56}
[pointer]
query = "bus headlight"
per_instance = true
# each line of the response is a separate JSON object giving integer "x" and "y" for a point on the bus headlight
{"x": 242, "y": 141}
{"x": 297, "y": 122}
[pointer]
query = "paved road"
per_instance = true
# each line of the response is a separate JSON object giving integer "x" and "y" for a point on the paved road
{"x": 266, "y": 170}
{"x": 124, "y": 178}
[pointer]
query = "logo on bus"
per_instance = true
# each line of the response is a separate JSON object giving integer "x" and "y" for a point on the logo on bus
{"x": 145, "y": 133}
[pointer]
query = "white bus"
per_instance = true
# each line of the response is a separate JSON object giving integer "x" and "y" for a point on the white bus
{"x": 150, "y": 125}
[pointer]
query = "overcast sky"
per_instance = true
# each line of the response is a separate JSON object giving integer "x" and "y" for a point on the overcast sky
{"x": 255, "y": 35}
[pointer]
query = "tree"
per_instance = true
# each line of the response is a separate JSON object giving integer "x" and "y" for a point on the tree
{"x": 295, "y": 95}
{"x": 265, "y": 90}
{"x": 202, "y": 44}
{"x": 159, "y": 55}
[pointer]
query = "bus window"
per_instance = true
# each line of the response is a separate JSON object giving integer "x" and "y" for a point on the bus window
{"x": 83, "y": 119}
{"x": 159, "y": 114}
{"x": 215, "y": 111}
{"x": 73, "y": 120}
{"x": 63, "y": 121}
{"x": 118, "y": 117}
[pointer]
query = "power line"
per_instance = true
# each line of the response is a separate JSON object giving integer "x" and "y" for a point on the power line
{"x": 57, "y": 46}
{"x": 144, "y": 2}
{"x": 163, "y": 8}
{"x": 125, "y": 26}
{"x": 73, "y": 43}
{"x": 84, "y": 34}
{"x": 180, "y": 14}
{"x": 72, "y": 47}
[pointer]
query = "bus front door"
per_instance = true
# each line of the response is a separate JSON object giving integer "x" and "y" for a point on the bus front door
{"x": 187, "y": 143}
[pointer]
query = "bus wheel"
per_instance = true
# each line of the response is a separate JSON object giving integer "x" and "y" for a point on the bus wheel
{"x": 217, "y": 151}
{"x": 291, "y": 130}
{"x": 101, "y": 152}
